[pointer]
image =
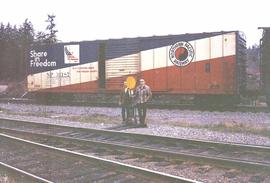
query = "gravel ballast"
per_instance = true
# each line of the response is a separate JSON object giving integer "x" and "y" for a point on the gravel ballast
{"x": 234, "y": 127}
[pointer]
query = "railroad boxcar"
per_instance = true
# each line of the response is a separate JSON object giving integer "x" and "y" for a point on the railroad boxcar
{"x": 208, "y": 65}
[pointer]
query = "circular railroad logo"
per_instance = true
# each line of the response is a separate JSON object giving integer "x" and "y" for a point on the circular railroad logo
{"x": 181, "y": 53}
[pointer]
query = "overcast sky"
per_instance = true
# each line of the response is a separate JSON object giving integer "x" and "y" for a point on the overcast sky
{"x": 79, "y": 20}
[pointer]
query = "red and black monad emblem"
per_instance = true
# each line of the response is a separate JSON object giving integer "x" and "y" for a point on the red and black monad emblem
{"x": 181, "y": 53}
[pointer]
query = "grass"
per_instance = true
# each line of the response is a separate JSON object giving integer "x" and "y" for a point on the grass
{"x": 94, "y": 119}
{"x": 240, "y": 128}
{"x": 232, "y": 127}
{"x": 6, "y": 179}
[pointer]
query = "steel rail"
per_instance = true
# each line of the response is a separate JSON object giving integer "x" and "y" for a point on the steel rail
{"x": 174, "y": 155}
{"x": 108, "y": 163}
{"x": 26, "y": 175}
{"x": 226, "y": 145}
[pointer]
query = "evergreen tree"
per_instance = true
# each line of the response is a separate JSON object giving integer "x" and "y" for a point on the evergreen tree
{"x": 15, "y": 43}
{"x": 51, "y": 37}
{"x": 25, "y": 40}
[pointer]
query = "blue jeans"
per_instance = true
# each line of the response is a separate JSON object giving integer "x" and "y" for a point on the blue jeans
{"x": 142, "y": 112}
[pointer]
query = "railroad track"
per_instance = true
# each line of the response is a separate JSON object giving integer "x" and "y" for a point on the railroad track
{"x": 43, "y": 163}
{"x": 13, "y": 174}
{"x": 105, "y": 142}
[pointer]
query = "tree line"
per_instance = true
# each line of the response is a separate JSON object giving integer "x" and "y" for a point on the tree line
{"x": 15, "y": 41}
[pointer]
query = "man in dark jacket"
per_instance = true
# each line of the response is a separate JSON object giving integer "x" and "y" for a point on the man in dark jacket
{"x": 143, "y": 94}
{"x": 125, "y": 101}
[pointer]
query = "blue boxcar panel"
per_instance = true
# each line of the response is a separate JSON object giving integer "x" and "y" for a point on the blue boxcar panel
{"x": 89, "y": 50}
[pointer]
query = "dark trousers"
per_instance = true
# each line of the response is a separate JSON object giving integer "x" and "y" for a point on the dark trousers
{"x": 125, "y": 113}
{"x": 142, "y": 112}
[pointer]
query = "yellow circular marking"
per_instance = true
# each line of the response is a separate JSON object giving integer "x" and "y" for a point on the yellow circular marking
{"x": 131, "y": 82}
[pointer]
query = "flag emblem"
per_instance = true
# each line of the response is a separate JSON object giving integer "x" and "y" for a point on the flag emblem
{"x": 72, "y": 54}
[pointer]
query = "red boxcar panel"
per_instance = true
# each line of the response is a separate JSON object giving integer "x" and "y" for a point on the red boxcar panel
{"x": 203, "y": 73}
{"x": 148, "y": 77}
{"x": 229, "y": 74}
{"x": 160, "y": 79}
{"x": 214, "y": 76}
{"x": 187, "y": 78}
{"x": 174, "y": 74}
{"x": 216, "y": 84}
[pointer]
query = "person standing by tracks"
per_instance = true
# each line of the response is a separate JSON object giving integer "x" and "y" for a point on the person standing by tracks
{"x": 125, "y": 101}
{"x": 143, "y": 94}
